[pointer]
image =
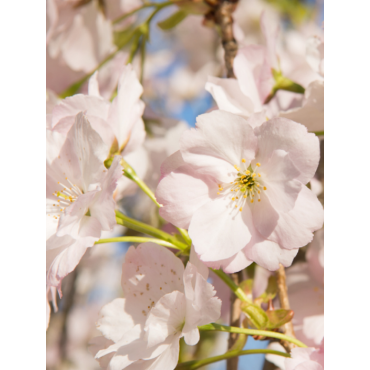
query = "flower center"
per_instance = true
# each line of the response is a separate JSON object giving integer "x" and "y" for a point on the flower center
{"x": 64, "y": 198}
{"x": 247, "y": 185}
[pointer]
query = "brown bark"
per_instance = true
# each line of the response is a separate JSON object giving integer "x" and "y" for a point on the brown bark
{"x": 223, "y": 18}
{"x": 284, "y": 303}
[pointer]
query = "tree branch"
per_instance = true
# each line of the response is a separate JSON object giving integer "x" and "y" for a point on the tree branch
{"x": 223, "y": 18}
{"x": 284, "y": 303}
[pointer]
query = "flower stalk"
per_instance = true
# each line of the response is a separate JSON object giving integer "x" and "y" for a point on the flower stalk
{"x": 196, "y": 364}
{"x": 137, "y": 239}
{"x": 264, "y": 333}
{"x": 147, "y": 229}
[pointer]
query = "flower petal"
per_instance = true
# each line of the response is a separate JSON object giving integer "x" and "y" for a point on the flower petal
{"x": 182, "y": 192}
{"x": 302, "y": 147}
{"x": 295, "y": 228}
{"x": 228, "y": 96}
{"x": 166, "y": 318}
{"x": 220, "y": 142}
{"x": 208, "y": 225}
{"x": 279, "y": 175}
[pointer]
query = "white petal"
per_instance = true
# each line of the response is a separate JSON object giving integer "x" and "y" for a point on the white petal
{"x": 220, "y": 142}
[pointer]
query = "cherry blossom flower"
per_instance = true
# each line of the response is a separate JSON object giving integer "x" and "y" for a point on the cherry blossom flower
{"x": 254, "y": 81}
{"x": 78, "y": 34}
{"x": 79, "y": 196}
{"x": 163, "y": 302}
{"x": 118, "y": 123}
{"x": 238, "y": 186}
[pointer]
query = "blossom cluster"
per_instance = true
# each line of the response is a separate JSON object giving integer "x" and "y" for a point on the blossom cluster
{"x": 238, "y": 193}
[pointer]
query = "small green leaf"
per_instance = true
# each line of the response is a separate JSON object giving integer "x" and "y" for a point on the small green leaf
{"x": 256, "y": 315}
{"x": 173, "y": 20}
{"x": 123, "y": 37}
{"x": 270, "y": 292}
{"x": 279, "y": 317}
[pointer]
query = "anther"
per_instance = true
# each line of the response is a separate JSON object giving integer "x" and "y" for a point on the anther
{"x": 252, "y": 200}
{"x": 258, "y": 164}
{"x": 243, "y": 160}
{"x": 264, "y": 188}
{"x": 240, "y": 209}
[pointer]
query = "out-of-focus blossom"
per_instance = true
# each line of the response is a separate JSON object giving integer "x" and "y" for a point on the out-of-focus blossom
{"x": 305, "y": 283}
{"x": 311, "y": 113}
{"x": 79, "y": 196}
{"x": 306, "y": 359}
{"x": 254, "y": 81}
{"x": 79, "y": 35}
{"x": 240, "y": 183}
{"x": 162, "y": 304}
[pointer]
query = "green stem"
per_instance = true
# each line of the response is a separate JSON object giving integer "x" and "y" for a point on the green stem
{"x": 196, "y": 364}
{"x": 235, "y": 288}
{"x": 130, "y": 173}
{"x": 264, "y": 333}
{"x": 134, "y": 48}
{"x": 185, "y": 235}
{"x": 148, "y": 5}
{"x": 319, "y": 133}
{"x": 136, "y": 239}
{"x": 147, "y": 229}
{"x": 143, "y": 55}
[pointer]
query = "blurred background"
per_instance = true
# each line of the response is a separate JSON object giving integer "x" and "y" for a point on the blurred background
{"x": 177, "y": 63}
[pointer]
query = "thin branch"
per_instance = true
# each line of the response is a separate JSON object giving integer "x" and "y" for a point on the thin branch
{"x": 223, "y": 18}
{"x": 284, "y": 303}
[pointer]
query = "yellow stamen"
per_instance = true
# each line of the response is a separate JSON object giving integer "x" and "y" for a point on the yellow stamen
{"x": 259, "y": 175}
{"x": 252, "y": 200}
{"x": 240, "y": 209}
{"x": 232, "y": 198}
{"x": 264, "y": 188}
{"x": 243, "y": 160}
{"x": 259, "y": 200}
{"x": 236, "y": 167}
{"x": 258, "y": 164}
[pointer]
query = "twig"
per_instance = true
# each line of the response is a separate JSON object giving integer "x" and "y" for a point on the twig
{"x": 223, "y": 18}
{"x": 284, "y": 303}
{"x": 235, "y": 311}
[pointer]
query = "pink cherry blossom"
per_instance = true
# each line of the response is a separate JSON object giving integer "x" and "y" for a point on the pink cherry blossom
{"x": 79, "y": 196}
{"x": 254, "y": 81}
{"x": 240, "y": 191}
{"x": 118, "y": 123}
{"x": 163, "y": 302}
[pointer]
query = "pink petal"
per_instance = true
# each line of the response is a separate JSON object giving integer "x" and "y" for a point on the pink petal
{"x": 220, "y": 142}
{"x": 103, "y": 207}
{"x": 279, "y": 175}
{"x": 166, "y": 318}
{"x": 218, "y": 230}
{"x": 228, "y": 96}
{"x": 302, "y": 147}
{"x": 182, "y": 192}
{"x": 126, "y": 108}
{"x": 295, "y": 228}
